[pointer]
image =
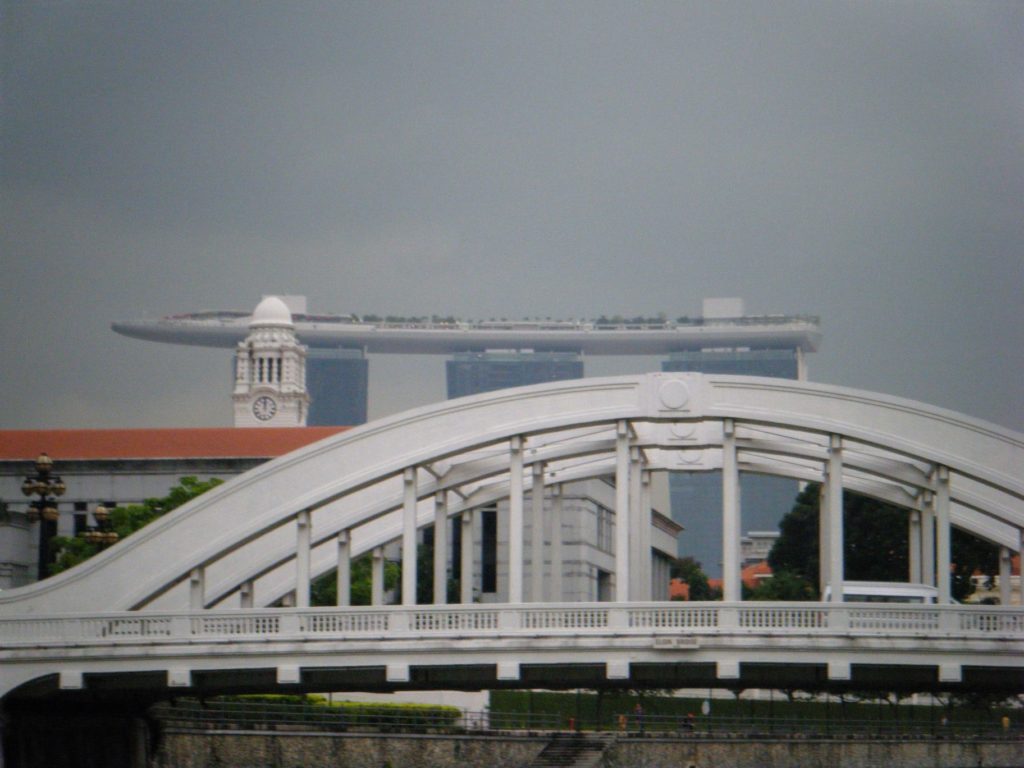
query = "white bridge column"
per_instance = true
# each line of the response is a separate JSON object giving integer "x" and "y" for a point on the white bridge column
{"x": 246, "y": 596}
{"x": 622, "y": 516}
{"x": 537, "y": 533}
{"x": 928, "y": 539}
{"x": 1005, "y": 574}
{"x": 1020, "y": 551}
{"x": 823, "y": 535}
{"x": 731, "y": 526}
{"x": 303, "y": 537}
{"x": 440, "y": 549}
{"x": 646, "y": 564}
{"x": 377, "y": 577}
{"x": 466, "y": 578}
{"x": 636, "y": 534}
{"x": 409, "y": 536}
{"x": 914, "y": 546}
{"x": 943, "y": 551}
{"x": 515, "y": 520}
{"x": 834, "y": 496}
{"x": 556, "y": 543}
{"x": 344, "y": 570}
{"x": 196, "y": 588}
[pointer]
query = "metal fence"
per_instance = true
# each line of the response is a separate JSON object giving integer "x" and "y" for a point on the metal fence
{"x": 197, "y": 715}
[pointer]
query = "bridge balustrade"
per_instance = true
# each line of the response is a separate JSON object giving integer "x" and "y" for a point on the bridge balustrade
{"x": 394, "y": 622}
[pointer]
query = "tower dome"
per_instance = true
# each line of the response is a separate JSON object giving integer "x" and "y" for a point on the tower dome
{"x": 271, "y": 312}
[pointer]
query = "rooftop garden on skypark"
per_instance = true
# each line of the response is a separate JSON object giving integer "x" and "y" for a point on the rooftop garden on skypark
{"x": 603, "y": 322}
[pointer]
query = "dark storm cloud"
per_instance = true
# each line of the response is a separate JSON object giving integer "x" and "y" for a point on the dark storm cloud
{"x": 858, "y": 160}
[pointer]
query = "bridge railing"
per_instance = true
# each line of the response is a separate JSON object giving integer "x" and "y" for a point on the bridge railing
{"x": 394, "y": 622}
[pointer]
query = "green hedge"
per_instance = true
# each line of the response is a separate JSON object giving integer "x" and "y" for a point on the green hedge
{"x": 353, "y": 713}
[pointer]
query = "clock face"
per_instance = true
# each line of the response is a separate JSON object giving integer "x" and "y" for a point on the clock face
{"x": 264, "y": 408}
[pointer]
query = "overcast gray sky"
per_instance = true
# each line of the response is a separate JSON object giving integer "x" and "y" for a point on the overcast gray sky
{"x": 862, "y": 161}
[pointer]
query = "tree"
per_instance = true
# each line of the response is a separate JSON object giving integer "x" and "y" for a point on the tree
{"x": 324, "y": 590}
{"x": 875, "y": 543}
{"x": 690, "y": 571}
{"x": 129, "y": 518}
{"x": 783, "y": 585}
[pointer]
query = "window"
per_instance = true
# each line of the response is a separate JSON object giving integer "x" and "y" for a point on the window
{"x": 605, "y": 530}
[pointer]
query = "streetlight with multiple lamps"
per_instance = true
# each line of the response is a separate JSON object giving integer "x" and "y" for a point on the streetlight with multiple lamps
{"x": 102, "y": 534}
{"x": 48, "y": 486}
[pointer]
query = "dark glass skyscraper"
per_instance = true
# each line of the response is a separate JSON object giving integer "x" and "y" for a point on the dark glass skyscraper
{"x": 337, "y": 382}
{"x": 471, "y": 373}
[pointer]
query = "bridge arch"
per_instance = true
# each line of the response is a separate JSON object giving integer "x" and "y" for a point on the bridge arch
{"x": 265, "y": 534}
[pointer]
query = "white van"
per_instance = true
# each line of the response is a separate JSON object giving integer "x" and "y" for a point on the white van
{"x": 886, "y": 592}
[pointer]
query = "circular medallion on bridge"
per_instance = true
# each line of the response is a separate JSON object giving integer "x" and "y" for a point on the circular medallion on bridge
{"x": 690, "y": 458}
{"x": 683, "y": 430}
{"x": 674, "y": 394}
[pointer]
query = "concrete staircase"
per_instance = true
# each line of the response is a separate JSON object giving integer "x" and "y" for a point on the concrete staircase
{"x": 574, "y": 750}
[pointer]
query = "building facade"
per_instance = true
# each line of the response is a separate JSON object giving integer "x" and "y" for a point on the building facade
{"x": 112, "y": 467}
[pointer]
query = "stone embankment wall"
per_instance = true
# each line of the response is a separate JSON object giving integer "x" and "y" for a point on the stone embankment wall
{"x": 254, "y": 749}
{"x": 656, "y": 753}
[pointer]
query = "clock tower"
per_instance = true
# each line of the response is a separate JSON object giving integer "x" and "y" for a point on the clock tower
{"x": 270, "y": 371}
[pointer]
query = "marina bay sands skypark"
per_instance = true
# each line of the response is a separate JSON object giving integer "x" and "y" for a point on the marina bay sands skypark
{"x": 485, "y": 355}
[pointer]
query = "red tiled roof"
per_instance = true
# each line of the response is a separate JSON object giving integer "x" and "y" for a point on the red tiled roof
{"x": 750, "y": 576}
{"x": 206, "y": 442}
{"x": 678, "y": 590}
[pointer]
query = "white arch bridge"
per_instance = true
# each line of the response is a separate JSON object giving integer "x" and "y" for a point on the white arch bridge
{"x": 215, "y": 596}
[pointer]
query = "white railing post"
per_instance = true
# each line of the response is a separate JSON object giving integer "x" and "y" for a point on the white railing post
{"x": 728, "y": 617}
{"x": 509, "y": 619}
{"x": 289, "y": 624}
{"x": 181, "y": 628}
{"x": 399, "y": 621}
{"x": 618, "y": 619}
{"x": 838, "y": 618}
